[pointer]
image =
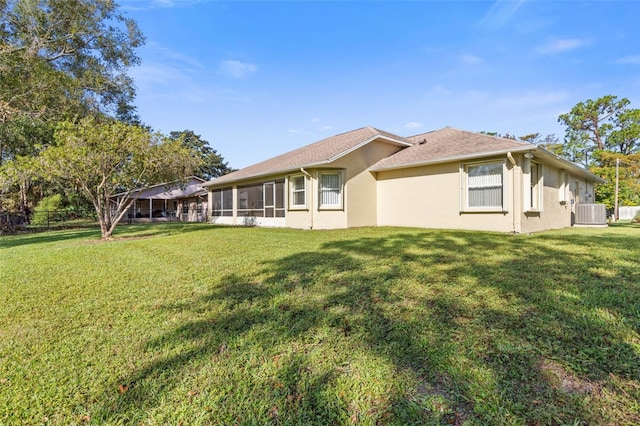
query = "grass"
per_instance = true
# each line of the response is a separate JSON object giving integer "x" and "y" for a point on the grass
{"x": 198, "y": 324}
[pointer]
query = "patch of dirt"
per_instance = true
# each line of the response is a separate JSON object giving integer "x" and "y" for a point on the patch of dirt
{"x": 559, "y": 378}
{"x": 454, "y": 413}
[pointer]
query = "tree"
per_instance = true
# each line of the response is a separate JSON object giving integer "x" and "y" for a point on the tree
{"x": 549, "y": 142}
{"x": 213, "y": 165}
{"x": 609, "y": 130}
{"x": 66, "y": 58}
{"x": 20, "y": 173}
{"x": 625, "y": 138}
{"x": 604, "y": 124}
{"x": 60, "y": 59}
{"x": 628, "y": 178}
{"x": 105, "y": 157}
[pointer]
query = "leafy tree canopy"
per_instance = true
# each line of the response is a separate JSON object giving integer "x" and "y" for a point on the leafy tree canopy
{"x": 65, "y": 58}
{"x": 602, "y": 124}
{"x": 610, "y": 130}
{"x": 213, "y": 165}
{"x": 105, "y": 158}
{"x": 628, "y": 178}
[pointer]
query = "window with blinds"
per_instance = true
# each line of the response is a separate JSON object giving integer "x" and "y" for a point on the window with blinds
{"x": 485, "y": 185}
{"x": 330, "y": 185}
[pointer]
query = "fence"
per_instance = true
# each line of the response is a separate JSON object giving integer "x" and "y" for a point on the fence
{"x": 43, "y": 219}
{"x": 628, "y": 212}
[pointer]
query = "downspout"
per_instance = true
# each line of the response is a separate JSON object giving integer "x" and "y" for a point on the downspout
{"x": 310, "y": 195}
{"x": 516, "y": 221}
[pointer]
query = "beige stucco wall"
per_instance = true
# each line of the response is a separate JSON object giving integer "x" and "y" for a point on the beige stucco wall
{"x": 361, "y": 185}
{"x": 429, "y": 197}
{"x": 554, "y": 213}
{"x": 359, "y": 197}
{"x": 359, "y": 203}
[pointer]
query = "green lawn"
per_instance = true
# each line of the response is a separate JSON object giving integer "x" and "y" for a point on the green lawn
{"x": 200, "y": 324}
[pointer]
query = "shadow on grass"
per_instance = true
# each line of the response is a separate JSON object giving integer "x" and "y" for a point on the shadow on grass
{"x": 45, "y": 237}
{"x": 476, "y": 327}
{"x": 121, "y": 232}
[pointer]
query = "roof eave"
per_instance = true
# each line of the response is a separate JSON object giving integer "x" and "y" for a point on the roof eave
{"x": 566, "y": 164}
{"x": 216, "y": 182}
{"x": 318, "y": 163}
{"x": 452, "y": 158}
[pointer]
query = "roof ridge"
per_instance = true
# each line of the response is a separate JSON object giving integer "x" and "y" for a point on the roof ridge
{"x": 491, "y": 136}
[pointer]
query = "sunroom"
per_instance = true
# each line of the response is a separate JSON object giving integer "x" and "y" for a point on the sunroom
{"x": 259, "y": 203}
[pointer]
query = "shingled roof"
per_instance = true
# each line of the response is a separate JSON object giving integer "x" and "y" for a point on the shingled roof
{"x": 322, "y": 152}
{"x": 448, "y": 144}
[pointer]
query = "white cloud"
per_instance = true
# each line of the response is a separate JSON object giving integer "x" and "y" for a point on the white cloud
{"x": 293, "y": 131}
{"x": 554, "y": 46}
{"x": 470, "y": 59}
{"x": 236, "y": 69}
{"x": 632, "y": 59}
{"x": 438, "y": 91}
{"x": 413, "y": 125}
{"x": 500, "y": 12}
{"x": 153, "y": 75}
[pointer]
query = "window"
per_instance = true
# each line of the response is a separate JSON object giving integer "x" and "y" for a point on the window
{"x": 330, "y": 190}
{"x": 222, "y": 202}
{"x": 298, "y": 188}
{"x": 199, "y": 206}
{"x": 533, "y": 182}
{"x": 485, "y": 186}
{"x": 564, "y": 188}
{"x": 185, "y": 207}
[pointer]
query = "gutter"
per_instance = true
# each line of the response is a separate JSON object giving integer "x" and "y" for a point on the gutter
{"x": 517, "y": 226}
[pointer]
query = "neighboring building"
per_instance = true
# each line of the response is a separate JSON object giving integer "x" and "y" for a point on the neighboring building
{"x": 447, "y": 178}
{"x": 184, "y": 201}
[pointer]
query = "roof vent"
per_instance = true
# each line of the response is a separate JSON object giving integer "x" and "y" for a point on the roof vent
{"x": 423, "y": 141}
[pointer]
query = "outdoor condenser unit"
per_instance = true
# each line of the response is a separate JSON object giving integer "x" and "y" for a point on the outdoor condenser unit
{"x": 591, "y": 214}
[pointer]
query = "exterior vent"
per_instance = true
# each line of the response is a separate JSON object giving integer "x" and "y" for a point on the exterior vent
{"x": 591, "y": 214}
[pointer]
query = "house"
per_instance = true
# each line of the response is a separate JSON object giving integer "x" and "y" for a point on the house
{"x": 446, "y": 178}
{"x": 184, "y": 201}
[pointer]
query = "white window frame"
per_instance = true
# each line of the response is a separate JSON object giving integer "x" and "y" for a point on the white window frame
{"x": 293, "y": 191}
{"x": 464, "y": 188}
{"x": 321, "y": 190}
{"x": 533, "y": 191}
{"x": 563, "y": 190}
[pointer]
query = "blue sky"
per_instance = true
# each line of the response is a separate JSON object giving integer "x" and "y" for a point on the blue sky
{"x": 257, "y": 79}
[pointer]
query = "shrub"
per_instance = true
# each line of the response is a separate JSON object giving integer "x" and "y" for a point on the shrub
{"x": 636, "y": 218}
{"x": 46, "y": 205}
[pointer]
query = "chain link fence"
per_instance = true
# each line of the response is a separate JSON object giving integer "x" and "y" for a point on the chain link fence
{"x": 38, "y": 220}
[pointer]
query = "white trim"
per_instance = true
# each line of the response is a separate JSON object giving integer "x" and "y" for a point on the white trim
{"x": 563, "y": 188}
{"x": 291, "y": 197}
{"x": 340, "y": 205}
{"x": 464, "y": 188}
{"x": 532, "y": 201}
